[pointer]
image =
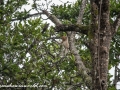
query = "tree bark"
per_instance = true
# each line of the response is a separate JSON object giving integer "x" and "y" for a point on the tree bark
{"x": 100, "y": 44}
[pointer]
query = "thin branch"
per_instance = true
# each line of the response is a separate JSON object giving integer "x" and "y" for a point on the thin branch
{"x": 27, "y": 16}
{"x": 45, "y": 27}
{"x": 53, "y": 18}
{"x": 81, "y": 12}
{"x": 116, "y": 23}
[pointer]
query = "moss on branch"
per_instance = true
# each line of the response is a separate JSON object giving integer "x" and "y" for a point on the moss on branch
{"x": 73, "y": 27}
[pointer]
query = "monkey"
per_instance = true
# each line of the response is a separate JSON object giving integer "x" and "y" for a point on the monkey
{"x": 65, "y": 43}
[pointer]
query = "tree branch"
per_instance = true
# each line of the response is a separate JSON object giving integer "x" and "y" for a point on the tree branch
{"x": 45, "y": 27}
{"x": 27, "y": 16}
{"x": 82, "y": 70}
{"x": 53, "y": 18}
{"x": 116, "y": 23}
{"x": 77, "y": 28}
{"x": 81, "y": 12}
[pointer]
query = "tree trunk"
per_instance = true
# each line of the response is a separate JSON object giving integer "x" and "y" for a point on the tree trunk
{"x": 100, "y": 44}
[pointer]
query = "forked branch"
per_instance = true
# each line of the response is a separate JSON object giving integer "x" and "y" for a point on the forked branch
{"x": 81, "y": 11}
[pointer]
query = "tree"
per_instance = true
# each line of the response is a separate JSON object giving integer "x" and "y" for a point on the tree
{"x": 30, "y": 53}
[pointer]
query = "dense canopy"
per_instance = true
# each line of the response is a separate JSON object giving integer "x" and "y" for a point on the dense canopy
{"x": 31, "y": 52}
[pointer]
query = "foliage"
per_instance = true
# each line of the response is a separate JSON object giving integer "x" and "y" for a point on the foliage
{"x": 115, "y": 49}
{"x": 29, "y": 57}
{"x": 68, "y": 13}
